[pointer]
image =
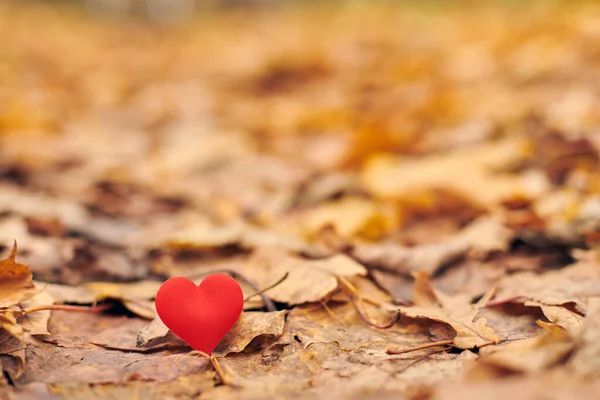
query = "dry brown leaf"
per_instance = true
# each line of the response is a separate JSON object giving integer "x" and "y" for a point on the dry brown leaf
{"x": 68, "y": 294}
{"x": 483, "y": 236}
{"x": 403, "y": 260}
{"x": 134, "y": 296}
{"x": 82, "y": 330}
{"x": 189, "y": 386}
{"x": 206, "y": 236}
{"x": 142, "y": 290}
{"x": 513, "y": 322}
{"x": 546, "y": 387}
{"x": 308, "y": 325}
{"x": 530, "y": 355}
{"x": 93, "y": 365}
{"x": 561, "y": 316}
{"x": 471, "y": 277}
{"x": 470, "y": 172}
{"x": 154, "y": 330}
{"x": 350, "y": 217}
{"x": 12, "y": 345}
{"x": 573, "y": 284}
{"x": 457, "y": 311}
{"x": 311, "y": 281}
{"x": 36, "y": 323}
{"x": 252, "y": 326}
{"x": 585, "y": 362}
{"x": 16, "y": 284}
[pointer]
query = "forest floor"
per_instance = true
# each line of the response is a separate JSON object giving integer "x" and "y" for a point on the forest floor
{"x": 424, "y": 178}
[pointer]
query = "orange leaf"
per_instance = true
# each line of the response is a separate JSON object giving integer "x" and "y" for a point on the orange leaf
{"x": 16, "y": 284}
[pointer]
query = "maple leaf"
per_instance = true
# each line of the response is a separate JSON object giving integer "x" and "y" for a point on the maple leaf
{"x": 16, "y": 281}
{"x": 16, "y": 286}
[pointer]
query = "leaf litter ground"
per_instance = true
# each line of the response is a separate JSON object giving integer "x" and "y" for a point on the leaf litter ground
{"x": 416, "y": 187}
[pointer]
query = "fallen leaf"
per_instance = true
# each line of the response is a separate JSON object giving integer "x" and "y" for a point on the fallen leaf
{"x": 457, "y": 311}
{"x": 585, "y": 360}
{"x": 481, "y": 237}
{"x": 513, "y": 322}
{"x": 154, "y": 330}
{"x": 17, "y": 284}
{"x": 68, "y": 294}
{"x": 476, "y": 166}
{"x": 530, "y": 355}
{"x": 528, "y": 387}
{"x": 309, "y": 280}
{"x": 573, "y": 284}
{"x": 250, "y": 327}
{"x": 206, "y": 237}
{"x": 91, "y": 365}
{"x": 12, "y": 345}
{"x": 563, "y": 317}
{"x": 185, "y": 386}
{"x": 350, "y": 217}
{"x": 36, "y": 323}
{"x": 134, "y": 296}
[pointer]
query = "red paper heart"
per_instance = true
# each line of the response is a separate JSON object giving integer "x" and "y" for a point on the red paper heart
{"x": 200, "y": 315}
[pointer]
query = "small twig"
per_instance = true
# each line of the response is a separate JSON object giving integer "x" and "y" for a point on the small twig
{"x": 499, "y": 302}
{"x": 348, "y": 286}
{"x": 329, "y": 311}
{"x": 391, "y": 350}
{"x": 283, "y": 278}
{"x": 354, "y": 291}
{"x": 63, "y": 307}
{"x": 269, "y": 305}
{"x": 356, "y": 301}
{"x": 491, "y": 342}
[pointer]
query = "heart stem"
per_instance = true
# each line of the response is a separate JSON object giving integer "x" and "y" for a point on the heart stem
{"x": 216, "y": 365}
{"x": 219, "y": 370}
